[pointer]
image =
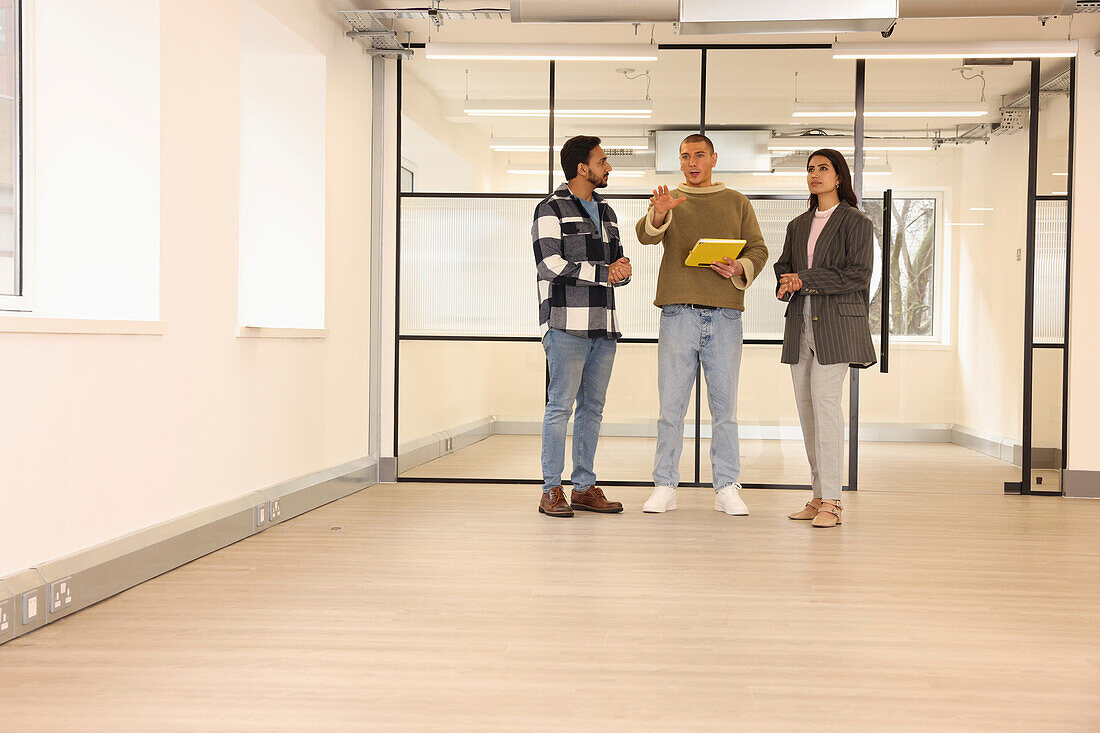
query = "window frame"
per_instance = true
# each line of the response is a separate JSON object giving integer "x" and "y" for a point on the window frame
{"x": 23, "y": 256}
{"x": 941, "y": 287}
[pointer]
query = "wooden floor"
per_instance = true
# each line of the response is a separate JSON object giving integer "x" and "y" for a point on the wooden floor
{"x": 431, "y": 607}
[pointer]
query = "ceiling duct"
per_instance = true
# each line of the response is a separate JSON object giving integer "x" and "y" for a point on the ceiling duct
{"x": 705, "y": 17}
{"x": 596, "y": 11}
{"x": 668, "y": 11}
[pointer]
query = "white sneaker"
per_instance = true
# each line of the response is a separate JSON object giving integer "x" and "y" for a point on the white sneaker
{"x": 663, "y": 499}
{"x": 728, "y": 500}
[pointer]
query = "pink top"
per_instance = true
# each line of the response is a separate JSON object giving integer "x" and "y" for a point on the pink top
{"x": 821, "y": 218}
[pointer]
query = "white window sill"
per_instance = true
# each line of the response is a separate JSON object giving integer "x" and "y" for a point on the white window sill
{"x": 261, "y": 332}
{"x": 31, "y": 324}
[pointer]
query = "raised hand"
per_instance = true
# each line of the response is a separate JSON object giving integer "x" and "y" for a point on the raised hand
{"x": 663, "y": 202}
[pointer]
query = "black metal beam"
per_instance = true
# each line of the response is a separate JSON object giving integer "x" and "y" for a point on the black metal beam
{"x": 857, "y": 184}
{"x": 1029, "y": 276}
{"x": 397, "y": 278}
{"x": 887, "y": 236}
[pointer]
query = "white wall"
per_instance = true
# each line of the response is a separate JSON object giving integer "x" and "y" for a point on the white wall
{"x": 1084, "y": 351}
{"x": 107, "y": 434}
{"x": 443, "y": 156}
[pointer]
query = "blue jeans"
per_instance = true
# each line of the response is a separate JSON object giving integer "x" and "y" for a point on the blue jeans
{"x": 580, "y": 369}
{"x": 687, "y": 338}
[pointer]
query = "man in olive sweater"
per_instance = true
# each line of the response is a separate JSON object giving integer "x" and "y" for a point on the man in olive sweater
{"x": 700, "y": 319}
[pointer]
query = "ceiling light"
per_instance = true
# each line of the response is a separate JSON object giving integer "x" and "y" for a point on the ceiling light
{"x": 597, "y": 110}
{"x": 931, "y": 109}
{"x": 966, "y": 224}
{"x": 1059, "y": 193}
{"x": 534, "y": 145}
{"x": 844, "y": 144}
{"x": 544, "y": 172}
{"x": 1060, "y": 173}
{"x": 981, "y": 208}
{"x": 540, "y": 52}
{"x": 803, "y": 173}
{"x": 969, "y": 50}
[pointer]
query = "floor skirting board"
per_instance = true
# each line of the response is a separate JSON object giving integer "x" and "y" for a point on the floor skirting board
{"x": 52, "y": 590}
{"x": 428, "y": 448}
{"x": 1081, "y": 484}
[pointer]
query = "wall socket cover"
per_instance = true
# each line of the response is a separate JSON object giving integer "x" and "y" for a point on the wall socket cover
{"x": 5, "y": 616}
{"x": 61, "y": 594}
{"x": 30, "y": 606}
{"x": 261, "y": 515}
{"x": 273, "y": 510}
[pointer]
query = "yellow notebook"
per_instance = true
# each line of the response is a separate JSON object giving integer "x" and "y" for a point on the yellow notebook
{"x": 707, "y": 251}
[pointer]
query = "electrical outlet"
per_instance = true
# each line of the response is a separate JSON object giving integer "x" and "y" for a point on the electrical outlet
{"x": 273, "y": 510}
{"x": 30, "y": 607}
{"x": 61, "y": 594}
{"x": 5, "y": 616}
{"x": 260, "y": 515}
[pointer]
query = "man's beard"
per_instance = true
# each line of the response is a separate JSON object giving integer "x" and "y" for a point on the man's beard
{"x": 598, "y": 182}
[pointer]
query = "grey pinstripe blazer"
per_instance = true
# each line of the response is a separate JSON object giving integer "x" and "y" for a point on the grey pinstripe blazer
{"x": 839, "y": 282}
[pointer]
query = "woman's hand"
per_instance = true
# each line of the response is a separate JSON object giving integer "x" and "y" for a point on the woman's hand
{"x": 789, "y": 283}
{"x": 728, "y": 268}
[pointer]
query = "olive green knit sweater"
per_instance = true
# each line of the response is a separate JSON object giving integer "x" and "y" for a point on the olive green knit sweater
{"x": 715, "y": 212}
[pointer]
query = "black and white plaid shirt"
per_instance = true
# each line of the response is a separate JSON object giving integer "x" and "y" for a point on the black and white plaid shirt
{"x": 573, "y": 259}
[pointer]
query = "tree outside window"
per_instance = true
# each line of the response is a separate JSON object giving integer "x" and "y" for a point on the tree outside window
{"x": 912, "y": 266}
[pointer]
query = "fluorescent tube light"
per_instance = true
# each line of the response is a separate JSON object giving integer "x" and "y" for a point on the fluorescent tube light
{"x": 596, "y": 109}
{"x": 534, "y": 145}
{"x": 810, "y": 143}
{"x": 541, "y": 52}
{"x": 544, "y": 172}
{"x": 930, "y": 109}
{"x": 969, "y": 50}
{"x": 1062, "y": 173}
{"x": 605, "y": 110}
{"x": 981, "y": 208}
{"x": 1059, "y": 193}
{"x": 803, "y": 173}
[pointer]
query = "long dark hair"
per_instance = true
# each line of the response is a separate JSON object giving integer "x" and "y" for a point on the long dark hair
{"x": 845, "y": 191}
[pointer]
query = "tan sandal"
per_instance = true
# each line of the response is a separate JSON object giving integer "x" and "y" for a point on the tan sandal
{"x": 828, "y": 515}
{"x": 809, "y": 512}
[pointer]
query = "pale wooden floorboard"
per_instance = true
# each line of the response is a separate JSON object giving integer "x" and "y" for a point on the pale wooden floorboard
{"x": 432, "y": 607}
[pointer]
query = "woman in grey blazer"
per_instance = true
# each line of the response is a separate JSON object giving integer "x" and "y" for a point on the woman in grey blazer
{"x": 824, "y": 273}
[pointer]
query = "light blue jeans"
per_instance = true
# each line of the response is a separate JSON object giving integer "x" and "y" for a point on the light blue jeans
{"x": 580, "y": 369}
{"x": 688, "y": 337}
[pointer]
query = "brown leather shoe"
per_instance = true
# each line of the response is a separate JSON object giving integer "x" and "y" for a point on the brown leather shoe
{"x": 553, "y": 503}
{"x": 829, "y": 516}
{"x": 593, "y": 500}
{"x": 813, "y": 506}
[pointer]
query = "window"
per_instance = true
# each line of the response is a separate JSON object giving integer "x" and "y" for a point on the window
{"x": 11, "y": 254}
{"x": 913, "y": 243}
{"x": 282, "y": 179}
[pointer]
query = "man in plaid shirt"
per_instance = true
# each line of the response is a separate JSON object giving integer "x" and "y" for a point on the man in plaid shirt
{"x": 580, "y": 261}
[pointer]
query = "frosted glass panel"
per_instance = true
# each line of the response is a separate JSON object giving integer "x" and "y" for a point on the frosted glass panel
{"x": 1050, "y": 271}
{"x": 467, "y": 268}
